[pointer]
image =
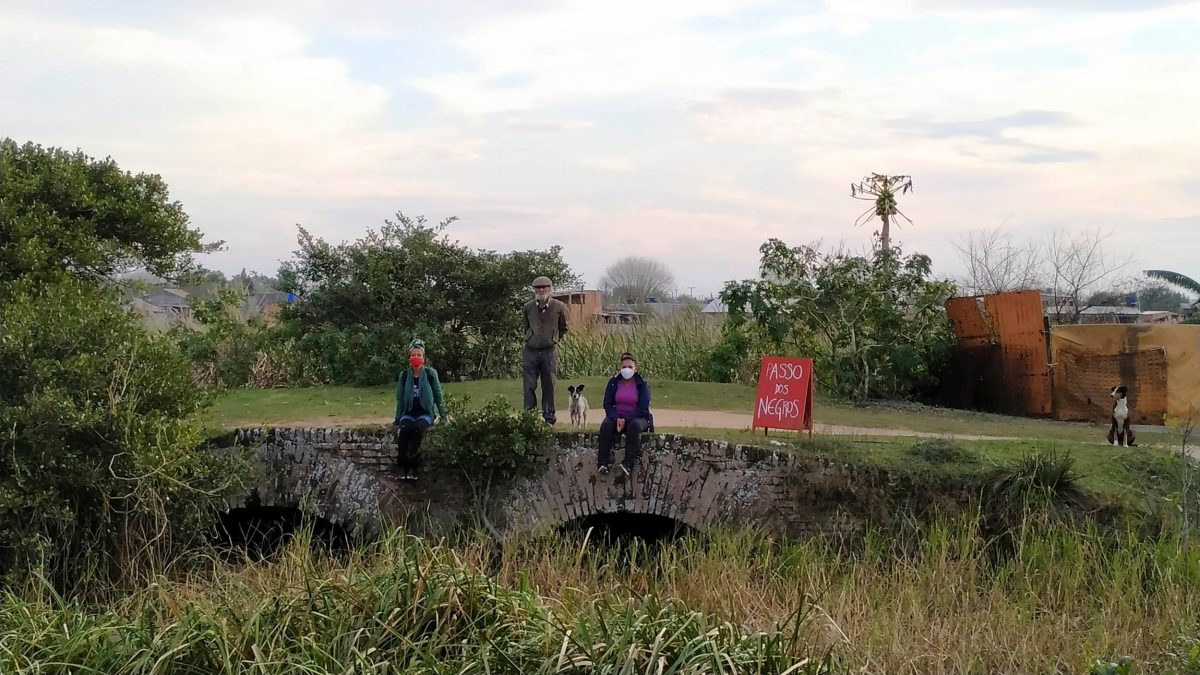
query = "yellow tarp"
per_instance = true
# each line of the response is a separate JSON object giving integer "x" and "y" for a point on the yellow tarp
{"x": 1125, "y": 352}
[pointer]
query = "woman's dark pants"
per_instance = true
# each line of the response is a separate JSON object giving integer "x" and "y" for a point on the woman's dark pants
{"x": 634, "y": 428}
{"x": 408, "y": 444}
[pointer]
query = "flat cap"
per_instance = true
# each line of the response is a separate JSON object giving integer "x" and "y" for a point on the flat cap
{"x": 542, "y": 281}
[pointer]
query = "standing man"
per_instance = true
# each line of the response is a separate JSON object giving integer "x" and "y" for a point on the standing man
{"x": 545, "y": 321}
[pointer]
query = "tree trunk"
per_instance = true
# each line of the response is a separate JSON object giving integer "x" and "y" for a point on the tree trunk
{"x": 885, "y": 235}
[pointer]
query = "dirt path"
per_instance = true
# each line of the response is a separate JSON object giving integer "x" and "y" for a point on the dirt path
{"x": 693, "y": 419}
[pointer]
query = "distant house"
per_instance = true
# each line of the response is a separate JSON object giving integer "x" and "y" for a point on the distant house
{"x": 583, "y": 306}
{"x": 264, "y": 303}
{"x": 715, "y": 308}
{"x": 1160, "y": 317}
{"x": 1057, "y": 303}
{"x": 172, "y": 302}
{"x": 1106, "y": 314}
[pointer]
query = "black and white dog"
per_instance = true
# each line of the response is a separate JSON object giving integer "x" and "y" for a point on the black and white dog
{"x": 1121, "y": 433}
{"x": 578, "y": 405}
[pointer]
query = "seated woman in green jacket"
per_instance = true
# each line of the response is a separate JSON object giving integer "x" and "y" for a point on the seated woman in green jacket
{"x": 418, "y": 403}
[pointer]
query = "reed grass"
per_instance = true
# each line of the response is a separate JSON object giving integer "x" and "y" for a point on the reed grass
{"x": 725, "y": 602}
{"x": 678, "y": 348}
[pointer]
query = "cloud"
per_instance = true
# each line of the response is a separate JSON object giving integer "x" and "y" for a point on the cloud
{"x": 545, "y": 126}
{"x": 998, "y": 131}
{"x": 232, "y": 102}
{"x": 756, "y": 98}
{"x": 991, "y": 129}
{"x": 617, "y": 164}
{"x": 1090, "y": 6}
{"x": 1051, "y": 156}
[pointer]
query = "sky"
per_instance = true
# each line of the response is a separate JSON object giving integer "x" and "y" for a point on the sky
{"x": 690, "y": 132}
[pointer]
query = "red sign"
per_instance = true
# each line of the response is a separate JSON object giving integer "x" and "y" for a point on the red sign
{"x": 785, "y": 393}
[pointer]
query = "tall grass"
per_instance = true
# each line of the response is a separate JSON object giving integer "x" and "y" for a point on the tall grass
{"x": 401, "y": 606}
{"x": 727, "y": 602}
{"x": 678, "y": 348}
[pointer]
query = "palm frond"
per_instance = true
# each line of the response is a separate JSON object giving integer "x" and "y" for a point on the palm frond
{"x": 1175, "y": 279}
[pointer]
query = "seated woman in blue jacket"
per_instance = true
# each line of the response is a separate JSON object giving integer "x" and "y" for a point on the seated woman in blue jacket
{"x": 418, "y": 403}
{"x": 626, "y": 411}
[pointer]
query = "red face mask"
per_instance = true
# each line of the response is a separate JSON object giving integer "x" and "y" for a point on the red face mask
{"x": 416, "y": 361}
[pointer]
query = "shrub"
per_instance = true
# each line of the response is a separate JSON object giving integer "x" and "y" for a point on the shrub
{"x": 493, "y": 442}
{"x": 229, "y": 352}
{"x": 101, "y": 452}
{"x": 1042, "y": 479}
{"x": 941, "y": 451}
{"x": 875, "y": 326}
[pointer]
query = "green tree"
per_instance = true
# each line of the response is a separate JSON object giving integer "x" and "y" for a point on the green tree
{"x": 101, "y": 460}
{"x": 359, "y": 304}
{"x": 876, "y": 326}
{"x": 1161, "y": 299}
{"x": 66, "y": 213}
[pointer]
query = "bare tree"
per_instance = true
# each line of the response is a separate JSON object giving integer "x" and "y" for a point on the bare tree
{"x": 1073, "y": 264}
{"x": 1081, "y": 272}
{"x": 997, "y": 263}
{"x": 633, "y": 279}
{"x": 882, "y": 190}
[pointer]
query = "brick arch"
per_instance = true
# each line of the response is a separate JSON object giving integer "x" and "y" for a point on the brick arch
{"x": 304, "y": 469}
{"x": 340, "y": 475}
{"x": 696, "y": 482}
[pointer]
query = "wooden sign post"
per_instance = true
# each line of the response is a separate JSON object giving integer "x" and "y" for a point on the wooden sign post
{"x": 785, "y": 395}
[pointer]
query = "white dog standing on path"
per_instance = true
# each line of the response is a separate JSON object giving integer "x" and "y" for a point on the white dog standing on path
{"x": 579, "y": 406}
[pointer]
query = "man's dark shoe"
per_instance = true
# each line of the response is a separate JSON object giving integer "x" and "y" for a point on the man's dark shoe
{"x": 604, "y": 469}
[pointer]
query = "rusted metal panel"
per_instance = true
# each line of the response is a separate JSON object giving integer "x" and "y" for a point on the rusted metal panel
{"x": 1002, "y": 360}
{"x": 1083, "y": 381}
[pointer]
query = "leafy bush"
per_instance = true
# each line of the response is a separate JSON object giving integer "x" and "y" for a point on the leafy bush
{"x": 493, "y": 442}
{"x": 101, "y": 450}
{"x": 875, "y": 325}
{"x": 941, "y": 451}
{"x": 229, "y": 352}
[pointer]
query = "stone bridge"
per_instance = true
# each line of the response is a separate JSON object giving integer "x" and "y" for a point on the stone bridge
{"x": 342, "y": 476}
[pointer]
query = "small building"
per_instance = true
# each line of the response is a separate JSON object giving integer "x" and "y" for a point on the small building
{"x": 621, "y": 316}
{"x": 583, "y": 306}
{"x": 715, "y": 308}
{"x": 265, "y": 304}
{"x": 1160, "y": 317}
{"x": 1107, "y": 314}
{"x": 173, "y": 302}
{"x": 1056, "y": 303}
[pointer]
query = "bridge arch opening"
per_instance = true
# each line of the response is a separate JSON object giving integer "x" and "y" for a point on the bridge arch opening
{"x": 623, "y": 528}
{"x": 260, "y": 532}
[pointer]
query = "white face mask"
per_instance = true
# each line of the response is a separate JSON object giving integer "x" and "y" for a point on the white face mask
{"x": 627, "y": 373}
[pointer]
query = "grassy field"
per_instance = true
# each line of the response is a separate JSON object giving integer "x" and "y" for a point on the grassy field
{"x": 336, "y": 406}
